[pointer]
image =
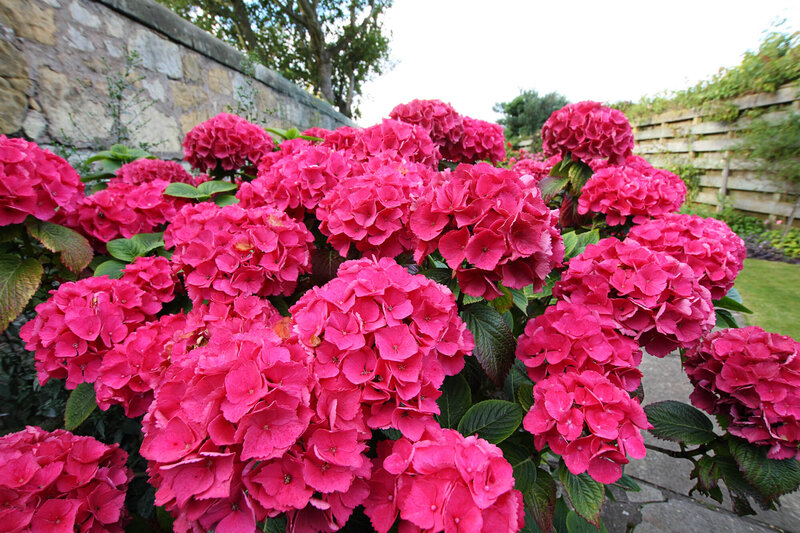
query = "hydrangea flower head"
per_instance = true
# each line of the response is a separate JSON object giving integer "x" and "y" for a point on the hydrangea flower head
{"x": 391, "y": 139}
{"x": 479, "y": 141}
{"x": 538, "y": 170}
{"x": 226, "y": 141}
{"x": 439, "y": 119}
{"x": 588, "y": 130}
{"x": 146, "y": 170}
{"x": 34, "y": 181}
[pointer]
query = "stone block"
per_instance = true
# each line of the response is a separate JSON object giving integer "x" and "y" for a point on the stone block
{"x": 158, "y": 54}
{"x": 72, "y": 110}
{"x": 115, "y": 26}
{"x": 155, "y": 89}
{"x": 14, "y": 84}
{"x": 29, "y": 21}
{"x": 159, "y": 131}
{"x": 35, "y": 125}
{"x": 193, "y": 118}
{"x": 83, "y": 16}
{"x": 191, "y": 67}
{"x": 77, "y": 39}
{"x": 219, "y": 81}
{"x": 188, "y": 96}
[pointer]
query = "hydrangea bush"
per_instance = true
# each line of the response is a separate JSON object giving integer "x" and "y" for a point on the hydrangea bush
{"x": 387, "y": 329}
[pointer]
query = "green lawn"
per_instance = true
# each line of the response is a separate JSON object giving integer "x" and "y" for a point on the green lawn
{"x": 772, "y": 291}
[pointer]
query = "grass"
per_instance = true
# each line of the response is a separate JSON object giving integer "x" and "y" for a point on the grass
{"x": 772, "y": 291}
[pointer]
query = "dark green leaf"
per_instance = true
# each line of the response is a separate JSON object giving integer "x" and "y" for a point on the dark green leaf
{"x": 521, "y": 460}
{"x": 149, "y": 241}
{"x": 164, "y": 519}
{"x": 210, "y": 188}
{"x": 771, "y": 477}
{"x": 492, "y": 420}
{"x": 551, "y": 186}
{"x": 10, "y": 232}
{"x": 80, "y": 404}
{"x": 19, "y": 279}
{"x": 76, "y": 252}
{"x": 392, "y": 433}
{"x": 225, "y": 199}
{"x": 627, "y": 483}
{"x": 125, "y": 249}
{"x": 442, "y": 276}
{"x": 570, "y": 242}
{"x": 516, "y": 377}
{"x": 706, "y": 473}
{"x": 679, "y": 422}
{"x": 455, "y": 400}
{"x": 586, "y": 494}
{"x": 520, "y": 300}
{"x": 579, "y": 173}
{"x": 184, "y": 190}
{"x": 111, "y": 268}
{"x": 734, "y": 295}
{"x": 494, "y": 343}
{"x": 725, "y": 319}
{"x": 467, "y": 299}
{"x": 733, "y": 305}
{"x": 275, "y": 525}
{"x": 525, "y": 396}
{"x": 576, "y": 524}
{"x": 541, "y": 499}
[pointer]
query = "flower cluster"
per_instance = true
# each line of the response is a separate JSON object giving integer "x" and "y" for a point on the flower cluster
{"x": 227, "y": 142}
{"x": 146, "y": 170}
{"x": 653, "y": 297}
{"x": 588, "y": 130}
{"x": 297, "y": 181}
{"x": 535, "y": 168}
{"x": 371, "y": 210}
{"x": 153, "y": 275}
{"x": 391, "y": 139}
{"x": 752, "y": 378}
{"x": 80, "y": 322}
{"x": 574, "y": 337}
{"x": 383, "y": 339}
{"x": 230, "y": 251}
{"x": 443, "y": 482}
{"x": 60, "y": 483}
{"x": 488, "y": 217}
{"x": 589, "y": 421}
{"x": 439, "y": 119}
{"x": 715, "y": 253}
{"x": 633, "y": 188}
{"x": 34, "y": 181}
{"x": 123, "y": 210}
{"x": 480, "y": 140}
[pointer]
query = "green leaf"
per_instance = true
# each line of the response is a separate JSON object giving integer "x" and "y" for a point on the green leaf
{"x": 725, "y": 319}
{"x": 576, "y": 524}
{"x": 76, "y": 252}
{"x": 520, "y": 459}
{"x": 275, "y": 525}
{"x": 551, "y": 186}
{"x": 679, "y": 422}
{"x": 392, "y": 433}
{"x": 80, "y": 404}
{"x": 148, "y": 241}
{"x": 516, "y": 377}
{"x": 525, "y": 396}
{"x": 579, "y": 173}
{"x": 494, "y": 343}
{"x": 442, "y": 276}
{"x": 586, "y": 494}
{"x": 492, "y": 420}
{"x": 570, "y": 242}
{"x": 19, "y": 279}
{"x": 164, "y": 519}
{"x": 734, "y": 295}
{"x": 541, "y": 499}
{"x": 471, "y": 299}
{"x": 627, "y": 483}
{"x": 455, "y": 400}
{"x": 520, "y": 299}
{"x": 184, "y": 190}
{"x": 585, "y": 239}
{"x": 771, "y": 477}
{"x": 503, "y": 303}
{"x": 210, "y": 188}
{"x": 125, "y": 249}
{"x": 11, "y": 232}
{"x": 733, "y": 305}
{"x": 111, "y": 268}
{"x": 225, "y": 199}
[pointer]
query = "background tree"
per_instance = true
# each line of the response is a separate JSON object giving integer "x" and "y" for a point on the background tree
{"x": 525, "y": 114}
{"x": 330, "y": 47}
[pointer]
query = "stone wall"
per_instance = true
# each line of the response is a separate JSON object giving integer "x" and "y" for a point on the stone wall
{"x": 59, "y": 60}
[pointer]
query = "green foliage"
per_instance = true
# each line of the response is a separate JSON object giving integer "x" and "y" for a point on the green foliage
{"x": 679, "y": 422}
{"x": 525, "y": 114}
{"x": 204, "y": 191}
{"x": 455, "y": 400}
{"x": 690, "y": 175}
{"x": 19, "y": 279}
{"x": 80, "y": 405}
{"x": 492, "y": 420}
{"x": 774, "y": 145}
{"x": 788, "y": 243}
{"x": 74, "y": 250}
{"x": 111, "y": 160}
{"x": 137, "y": 246}
{"x": 585, "y": 494}
{"x": 495, "y": 344}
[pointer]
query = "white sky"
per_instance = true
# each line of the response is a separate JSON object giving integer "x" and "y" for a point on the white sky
{"x": 475, "y": 53}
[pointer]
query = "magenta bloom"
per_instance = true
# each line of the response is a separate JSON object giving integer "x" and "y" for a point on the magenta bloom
{"x": 229, "y": 251}
{"x": 80, "y": 322}
{"x": 536, "y": 169}
{"x": 439, "y": 119}
{"x": 60, "y": 483}
{"x": 146, "y": 170}
{"x": 752, "y": 378}
{"x": 588, "y": 130}
{"x": 443, "y": 482}
{"x": 715, "y": 253}
{"x": 226, "y": 141}
{"x": 654, "y": 298}
{"x": 371, "y": 210}
{"x": 34, "y": 181}
{"x": 382, "y": 341}
{"x": 573, "y": 336}
{"x": 592, "y": 423}
{"x": 479, "y": 141}
{"x": 153, "y": 275}
{"x": 489, "y": 218}
{"x": 632, "y": 188}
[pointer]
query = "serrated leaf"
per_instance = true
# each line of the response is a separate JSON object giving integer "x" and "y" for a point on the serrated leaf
{"x": 491, "y": 420}
{"x": 455, "y": 400}
{"x": 576, "y": 524}
{"x": 469, "y": 299}
{"x": 520, "y": 300}
{"x": 494, "y": 343}
{"x": 275, "y": 525}
{"x": 679, "y": 422}
{"x": 502, "y": 303}
{"x": 210, "y": 188}
{"x": 520, "y": 459}
{"x": 225, "y": 199}
{"x": 579, "y": 173}
{"x": 585, "y": 239}
{"x": 627, "y": 483}
{"x": 570, "y": 242}
{"x": 516, "y": 377}
{"x": 586, "y": 494}
{"x": 541, "y": 499}
{"x": 125, "y": 249}
{"x": 19, "y": 279}
{"x": 525, "y": 396}
{"x": 733, "y": 305}
{"x": 442, "y": 276}
{"x": 551, "y": 186}
{"x": 771, "y": 477}
{"x": 111, "y": 268}
{"x": 184, "y": 190}
{"x": 149, "y": 241}
{"x": 725, "y": 319}
{"x": 80, "y": 404}
{"x": 75, "y": 251}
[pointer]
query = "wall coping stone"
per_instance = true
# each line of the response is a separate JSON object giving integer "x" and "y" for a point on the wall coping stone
{"x": 163, "y": 20}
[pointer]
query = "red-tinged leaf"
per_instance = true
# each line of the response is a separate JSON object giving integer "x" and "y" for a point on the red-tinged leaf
{"x": 76, "y": 252}
{"x": 19, "y": 279}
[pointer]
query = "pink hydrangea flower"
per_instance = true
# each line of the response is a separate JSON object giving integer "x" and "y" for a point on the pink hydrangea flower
{"x": 588, "y": 130}
{"x": 382, "y": 341}
{"x": 371, "y": 210}
{"x": 34, "y": 181}
{"x": 80, "y": 322}
{"x": 752, "y": 377}
{"x": 153, "y": 275}
{"x": 632, "y": 188}
{"x": 535, "y": 168}
{"x": 573, "y": 336}
{"x": 443, "y": 482}
{"x": 588, "y": 420}
{"x": 489, "y": 218}
{"x": 229, "y": 251}
{"x": 715, "y": 253}
{"x": 227, "y": 142}
{"x": 60, "y": 483}
{"x": 479, "y": 141}
{"x": 653, "y": 297}
{"x": 146, "y": 170}
{"x": 439, "y": 119}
